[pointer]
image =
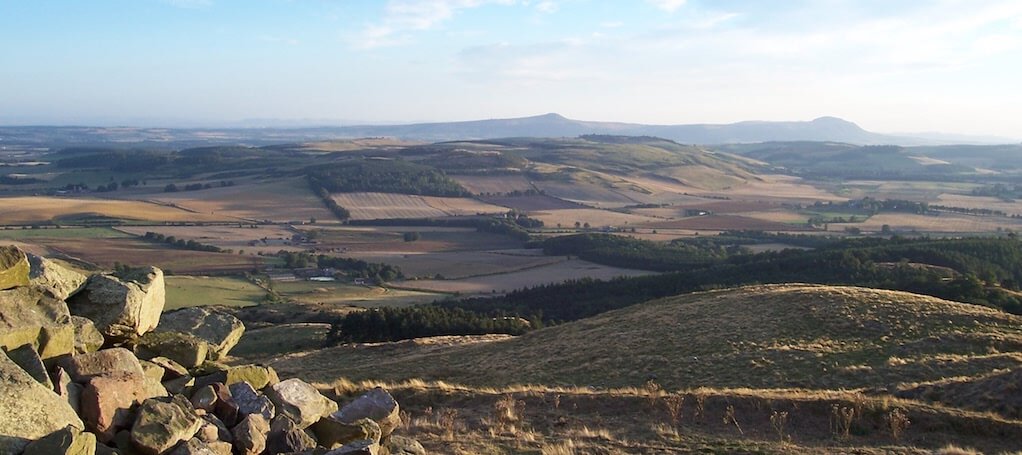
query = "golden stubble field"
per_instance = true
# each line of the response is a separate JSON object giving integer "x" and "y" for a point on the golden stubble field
{"x": 370, "y": 206}
{"x": 279, "y": 200}
{"x": 41, "y": 209}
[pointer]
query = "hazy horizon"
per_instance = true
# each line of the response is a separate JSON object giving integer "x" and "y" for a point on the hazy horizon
{"x": 945, "y": 67}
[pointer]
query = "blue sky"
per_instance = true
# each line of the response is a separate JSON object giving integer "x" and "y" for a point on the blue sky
{"x": 951, "y": 66}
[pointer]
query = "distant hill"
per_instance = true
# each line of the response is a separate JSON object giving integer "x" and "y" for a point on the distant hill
{"x": 793, "y": 335}
{"x": 548, "y": 125}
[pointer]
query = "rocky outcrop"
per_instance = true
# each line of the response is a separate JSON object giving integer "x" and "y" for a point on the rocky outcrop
{"x": 28, "y": 409}
{"x": 60, "y": 281}
{"x": 62, "y": 393}
{"x": 221, "y": 330}
{"x": 33, "y": 317}
{"x": 123, "y": 309}
{"x": 14, "y": 268}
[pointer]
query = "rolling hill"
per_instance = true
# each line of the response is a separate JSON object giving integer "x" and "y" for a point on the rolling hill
{"x": 778, "y": 336}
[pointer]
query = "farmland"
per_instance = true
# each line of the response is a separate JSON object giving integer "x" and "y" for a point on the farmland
{"x": 188, "y": 291}
{"x": 339, "y": 293}
{"x": 280, "y": 200}
{"x": 455, "y": 265}
{"x": 493, "y": 184}
{"x": 40, "y": 209}
{"x": 372, "y": 206}
{"x": 105, "y": 252}
{"x": 499, "y": 283}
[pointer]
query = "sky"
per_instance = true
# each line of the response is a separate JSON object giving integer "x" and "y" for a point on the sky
{"x": 951, "y": 66}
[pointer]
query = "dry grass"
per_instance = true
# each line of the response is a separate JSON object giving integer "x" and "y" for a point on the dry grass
{"x": 596, "y": 218}
{"x": 945, "y": 223}
{"x": 817, "y": 337}
{"x": 493, "y": 184}
{"x": 276, "y": 200}
{"x": 37, "y": 209}
{"x": 506, "y": 282}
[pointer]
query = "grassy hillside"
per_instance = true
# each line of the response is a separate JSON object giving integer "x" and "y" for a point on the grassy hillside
{"x": 820, "y": 337}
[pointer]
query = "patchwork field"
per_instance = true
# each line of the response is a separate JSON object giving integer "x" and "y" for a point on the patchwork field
{"x": 726, "y": 223}
{"x": 595, "y": 217}
{"x": 105, "y": 252}
{"x": 42, "y": 209}
{"x": 979, "y": 202}
{"x": 456, "y": 265}
{"x": 530, "y": 204}
{"x": 389, "y": 239}
{"x": 374, "y": 206}
{"x": 189, "y": 291}
{"x": 945, "y": 223}
{"x": 493, "y": 184}
{"x": 590, "y": 194}
{"x": 341, "y": 293}
{"x": 780, "y": 188}
{"x": 555, "y": 273}
{"x": 280, "y": 200}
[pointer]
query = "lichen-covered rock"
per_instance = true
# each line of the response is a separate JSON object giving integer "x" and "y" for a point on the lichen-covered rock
{"x": 162, "y": 424}
{"x": 14, "y": 267}
{"x": 186, "y": 350}
{"x": 251, "y": 402}
{"x": 107, "y": 400}
{"x": 286, "y": 437}
{"x": 225, "y": 408}
{"x": 193, "y": 446}
{"x": 300, "y": 401}
{"x": 213, "y": 430}
{"x": 61, "y": 281}
{"x": 363, "y": 447}
{"x": 123, "y": 309}
{"x": 400, "y": 445}
{"x": 332, "y": 433}
{"x": 28, "y": 409}
{"x": 204, "y": 398}
{"x": 171, "y": 369}
{"x": 258, "y": 376}
{"x": 221, "y": 330}
{"x": 376, "y": 404}
{"x": 179, "y": 385}
{"x": 87, "y": 336}
{"x": 29, "y": 360}
{"x": 84, "y": 367}
{"x": 250, "y": 435}
{"x": 66, "y": 441}
{"x": 33, "y": 317}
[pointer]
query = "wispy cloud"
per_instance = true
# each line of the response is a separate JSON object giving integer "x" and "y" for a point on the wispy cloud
{"x": 402, "y": 17}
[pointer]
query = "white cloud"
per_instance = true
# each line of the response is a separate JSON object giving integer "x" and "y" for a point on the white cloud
{"x": 404, "y": 16}
{"x": 668, "y": 5}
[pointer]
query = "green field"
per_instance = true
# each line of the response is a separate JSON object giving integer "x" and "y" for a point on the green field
{"x": 344, "y": 293}
{"x": 62, "y": 233}
{"x": 188, "y": 291}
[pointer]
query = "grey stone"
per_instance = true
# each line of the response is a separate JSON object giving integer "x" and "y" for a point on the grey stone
{"x": 250, "y": 435}
{"x": 87, "y": 336}
{"x": 363, "y": 447}
{"x": 122, "y": 309}
{"x": 162, "y": 424}
{"x": 61, "y": 281}
{"x": 14, "y": 267}
{"x": 376, "y": 404}
{"x": 400, "y": 445}
{"x": 26, "y": 357}
{"x": 221, "y": 330}
{"x": 31, "y": 316}
{"x": 332, "y": 433}
{"x": 251, "y": 402}
{"x": 66, "y": 441}
{"x": 286, "y": 437}
{"x": 28, "y": 409}
{"x": 300, "y": 401}
{"x": 186, "y": 350}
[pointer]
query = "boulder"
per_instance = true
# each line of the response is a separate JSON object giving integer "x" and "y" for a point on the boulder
{"x": 400, "y": 445}
{"x": 193, "y": 447}
{"x": 204, "y": 398}
{"x": 213, "y": 429}
{"x": 26, "y": 358}
{"x": 87, "y": 336}
{"x": 186, "y": 350}
{"x": 106, "y": 402}
{"x": 162, "y": 424}
{"x": 300, "y": 401}
{"x": 221, "y": 330}
{"x": 103, "y": 449}
{"x": 179, "y": 385}
{"x": 28, "y": 409}
{"x": 33, "y": 317}
{"x": 251, "y": 402}
{"x": 123, "y": 309}
{"x": 152, "y": 370}
{"x": 171, "y": 369}
{"x": 14, "y": 267}
{"x": 225, "y": 408}
{"x": 332, "y": 433}
{"x": 61, "y": 281}
{"x": 376, "y": 404}
{"x": 286, "y": 437}
{"x": 250, "y": 435}
{"x": 68, "y": 390}
{"x": 257, "y": 375}
{"x": 363, "y": 447}
{"x": 84, "y": 367}
{"x": 66, "y": 441}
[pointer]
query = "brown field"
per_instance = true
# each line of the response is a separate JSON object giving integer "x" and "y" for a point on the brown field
{"x": 894, "y": 189}
{"x": 225, "y": 237}
{"x": 555, "y": 273}
{"x": 456, "y": 265}
{"x": 945, "y": 223}
{"x": 104, "y": 252}
{"x": 590, "y": 194}
{"x": 280, "y": 200}
{"x": 389, "y": 239}
{"x": 374, "y": 206}
{"x": 724, "y": 223}
{"x": 493, "y": 184}
{"x": 595, "y": 217}
{"x": 39, "y": 209}
{"x": 532, "y": 203}
{"x": 979, "y": 202}
{"x": 780, "y": 188}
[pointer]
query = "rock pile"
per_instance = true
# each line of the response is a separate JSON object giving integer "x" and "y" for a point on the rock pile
{"x": 91, "y": 365}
